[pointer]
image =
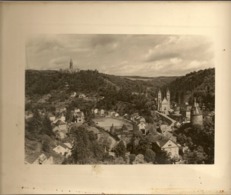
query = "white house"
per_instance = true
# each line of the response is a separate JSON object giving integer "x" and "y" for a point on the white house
{"x": 170, "y": 147}
{"x": 102, "y": 112}
{"x": 117, "y": 115}
{"x": 73, "y": 94}
{"x": 142, "y": 127}
{"x": 96, "y": 111}
{"x": 63, "y": 149}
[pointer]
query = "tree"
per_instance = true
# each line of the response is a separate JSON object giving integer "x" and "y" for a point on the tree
{"x": 80, "y": 152}
{"x": 139, "y": 159}
{"x": 149, "y": 156}
{"x": 105, "y": 141}
{"x": 120, "y": 149}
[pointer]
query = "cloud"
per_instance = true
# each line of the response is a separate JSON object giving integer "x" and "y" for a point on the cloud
{"x": 154, "y": 55}
{"x": 144, "y": 55}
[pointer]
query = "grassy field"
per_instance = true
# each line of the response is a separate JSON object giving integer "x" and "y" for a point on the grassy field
{"x": 107, "y": 122}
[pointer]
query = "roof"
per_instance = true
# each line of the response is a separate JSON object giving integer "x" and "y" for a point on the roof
{"x": 59, "y": 122}
{"x": 162, "y": 142}
{"x": 165, "y": 101}
{"x": 32, "y": 157}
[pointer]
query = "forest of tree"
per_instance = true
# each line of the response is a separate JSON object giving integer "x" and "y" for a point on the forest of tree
{"x": 199, "y": 84}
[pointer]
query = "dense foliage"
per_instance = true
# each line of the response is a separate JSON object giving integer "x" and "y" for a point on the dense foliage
{"x": 200, "y": 84}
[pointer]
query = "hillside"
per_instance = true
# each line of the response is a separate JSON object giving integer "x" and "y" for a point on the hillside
{"x": 43, "y": 82}
{"x": 200, "y": 84}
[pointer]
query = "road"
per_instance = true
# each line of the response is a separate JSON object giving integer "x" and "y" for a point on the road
{"x": 168, "y": 118}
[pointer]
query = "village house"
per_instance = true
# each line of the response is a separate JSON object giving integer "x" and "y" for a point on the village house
{"x": 82, "y": 96}
{"x": 28, "y": 115}
{"x": 102, "y": 112}
{"x": 96, "y": 111}
{"x": 73, "y": 95}
{"x": 171, "y": 147}
{"x": 63, "y": 149}
{"x": 60, "y": 109}
{"x": 78, "y": 116}
{"x": 60, "y": 129}
{"x": 117, "y": 114}
{"x": 142, "y": 126}
{"x": 134, "y": 117}
{"x": 51, "y": 117}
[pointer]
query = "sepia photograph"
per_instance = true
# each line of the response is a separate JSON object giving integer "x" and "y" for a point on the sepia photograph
{"x": 115, "y": 98}
{"x": 119, "y": 99}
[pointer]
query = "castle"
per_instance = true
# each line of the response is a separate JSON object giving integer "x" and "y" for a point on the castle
{"x": 163, "y": 105}
{"x": 71, "y": 68}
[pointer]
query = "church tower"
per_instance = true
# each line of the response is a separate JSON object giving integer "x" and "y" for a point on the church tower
{"x": 159, "y": 99}
{"x": 168, "y": 97}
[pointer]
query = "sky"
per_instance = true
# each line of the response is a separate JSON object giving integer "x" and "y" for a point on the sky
{"x": 127, "y": 55}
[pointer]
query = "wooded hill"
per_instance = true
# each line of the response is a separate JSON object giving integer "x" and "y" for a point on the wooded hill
{"x": 199, "y": 84}
{"x": 88, "y": 81}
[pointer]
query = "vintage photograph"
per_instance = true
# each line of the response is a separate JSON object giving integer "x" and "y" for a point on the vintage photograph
{"x": 119, "y": 99}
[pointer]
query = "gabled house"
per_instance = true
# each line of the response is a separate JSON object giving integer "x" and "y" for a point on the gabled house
{"x": 63, "y": 149}
{"x": 171, "y": 147}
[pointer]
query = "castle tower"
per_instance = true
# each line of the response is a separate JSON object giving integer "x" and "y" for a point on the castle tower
{"x": 159, "y": 99}
{"x": 196, "y": 114}
{"x": 71, "y": 65}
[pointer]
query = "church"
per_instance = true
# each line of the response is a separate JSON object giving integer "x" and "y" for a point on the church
{"x": 164, "y": 105}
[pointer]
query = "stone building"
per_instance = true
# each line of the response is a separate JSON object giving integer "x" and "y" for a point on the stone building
{"x": 196, "y": 114}
{"x": 163, "y": 105}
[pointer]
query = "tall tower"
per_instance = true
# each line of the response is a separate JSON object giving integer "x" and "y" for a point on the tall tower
{"x": 71, "y": 65}
{"x": 196, "y": 114}
{"x": 159, "y": 99}
{"x": 168, "y": 97}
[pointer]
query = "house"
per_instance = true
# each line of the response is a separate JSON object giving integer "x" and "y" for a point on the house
{"x": 81, "y": 95}
{"x": 63, "y": 150}
{"x": 134, "y": 117}
{"x": 60, "y": 109}
{"x": 171, "y": 147}
{"x": 60, "y": 129}
{"x": 76, "y": 110}
{"x": 73, "y": 94}
{"x": 28, "y": 115}
{"x": 111, "y": 113}
{"x": 102, "y": 112}
{"x": 43, "y": 159}
{"x": 51, "y": 117}
{"x": 117, "y": 114}
{"x": 142, "y": 127}
{"x": 78, "y": 116}
{"x": 96, "y": 111}
{"x": 186, "y": 112}
{"x": 62, "y": 118}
